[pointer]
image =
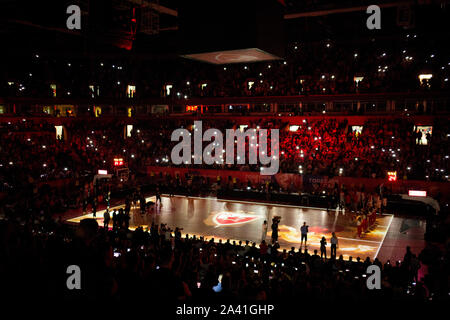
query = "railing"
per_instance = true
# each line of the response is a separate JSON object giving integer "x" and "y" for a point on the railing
{"x": 344, "y": 104}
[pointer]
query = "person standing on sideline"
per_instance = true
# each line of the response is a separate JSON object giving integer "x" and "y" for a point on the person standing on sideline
{"x": 114, "y": 219}
{"x": 126, "y": 220}
{"x": 158, "y": 196}
{"x": 304, "y": 231}
{"x": 85, "y": 204}
{"x": 94, "y": 207}
{"x": 384, "y": 205}
{"x": 334, "y": 244}
{"x": 358, "y": 227}
{"x": 323, "y": 248}
{"x": 108, "y": 199}
{"x": 106, "y": 218}
{"x": 265, "y": 226}
{"x": 142, "y": 204}
{"x": 274, "y": 231}
{"x": 341, "y": 199}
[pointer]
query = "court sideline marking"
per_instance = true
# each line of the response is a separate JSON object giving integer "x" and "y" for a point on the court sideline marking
{"x": 382, "y": 240}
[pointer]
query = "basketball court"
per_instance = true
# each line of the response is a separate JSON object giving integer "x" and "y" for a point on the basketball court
{"x": 242, "y": 220}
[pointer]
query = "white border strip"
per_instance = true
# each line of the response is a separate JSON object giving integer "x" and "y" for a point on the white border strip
{"x": 382, "y": 241}
{"x": 362, "y": 240}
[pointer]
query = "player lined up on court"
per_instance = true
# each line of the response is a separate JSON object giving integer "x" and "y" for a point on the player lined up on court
{"x": 265, "y": 226}
{"x": 304, "y": 232}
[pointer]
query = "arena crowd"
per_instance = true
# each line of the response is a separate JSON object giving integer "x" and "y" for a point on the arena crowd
{"x": 389, "y": 64}
{"x": 161, "y": 265}
{"x": 327, "y": 147}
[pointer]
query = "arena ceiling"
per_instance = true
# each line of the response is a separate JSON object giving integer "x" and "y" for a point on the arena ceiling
{"x": 27, "y": 25}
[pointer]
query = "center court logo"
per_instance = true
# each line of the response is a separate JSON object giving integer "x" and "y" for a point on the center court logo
{"x": 233, "y": 218}
{"x": 215, "y": 152}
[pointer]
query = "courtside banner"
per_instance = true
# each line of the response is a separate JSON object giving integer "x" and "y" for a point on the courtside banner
{"x": 311, "y": 179}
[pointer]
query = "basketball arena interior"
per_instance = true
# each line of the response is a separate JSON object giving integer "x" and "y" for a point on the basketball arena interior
{"x": 250, "y": 154}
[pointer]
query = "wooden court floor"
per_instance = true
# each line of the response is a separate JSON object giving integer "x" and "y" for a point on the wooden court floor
{"x": 241, "y": 220}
